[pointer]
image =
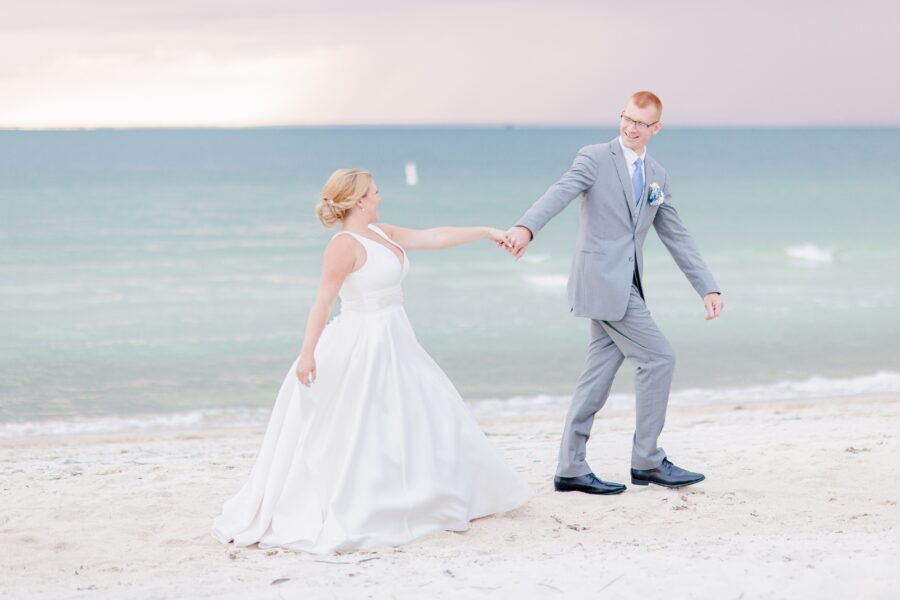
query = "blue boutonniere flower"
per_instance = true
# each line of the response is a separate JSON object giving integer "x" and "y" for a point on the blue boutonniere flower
{"x": 656, "y": 195}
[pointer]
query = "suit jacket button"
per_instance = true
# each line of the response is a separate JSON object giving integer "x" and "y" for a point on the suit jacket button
{"x": 630, "y": 259}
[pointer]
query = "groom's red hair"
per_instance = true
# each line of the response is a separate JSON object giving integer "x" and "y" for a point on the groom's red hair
{"x": 645, "y": 99}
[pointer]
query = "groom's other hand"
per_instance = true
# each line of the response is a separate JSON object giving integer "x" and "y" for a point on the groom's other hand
{"x": 517, "y": 240}
{"x": 714, "y": 305}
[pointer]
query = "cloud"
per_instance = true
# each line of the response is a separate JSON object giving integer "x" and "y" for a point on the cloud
{"x": 229, "y": 62}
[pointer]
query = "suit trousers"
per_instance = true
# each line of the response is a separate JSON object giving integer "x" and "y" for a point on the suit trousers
{"x": 637, "y": 338}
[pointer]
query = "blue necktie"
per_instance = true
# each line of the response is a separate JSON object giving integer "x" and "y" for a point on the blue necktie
{"x": 637, "y": 181}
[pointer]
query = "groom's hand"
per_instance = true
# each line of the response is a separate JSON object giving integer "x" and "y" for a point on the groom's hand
{"x": 714, "y": 305}
{"x": 517, "y": 240}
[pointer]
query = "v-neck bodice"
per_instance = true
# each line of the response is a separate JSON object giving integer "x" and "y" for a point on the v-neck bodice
{"x": 376, "y": 284}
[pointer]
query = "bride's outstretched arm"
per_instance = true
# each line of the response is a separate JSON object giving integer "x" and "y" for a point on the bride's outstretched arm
{"x": 441, "y": 237}
{"x": 342, "y": 256}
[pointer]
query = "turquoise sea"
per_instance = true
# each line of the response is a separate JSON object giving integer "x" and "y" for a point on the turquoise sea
{"x": 157, "y": 278}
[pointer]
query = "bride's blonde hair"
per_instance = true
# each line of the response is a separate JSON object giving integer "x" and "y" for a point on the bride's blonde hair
{"x": 341, "y": 191}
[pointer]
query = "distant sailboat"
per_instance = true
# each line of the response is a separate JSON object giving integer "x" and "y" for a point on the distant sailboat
{"x": 412, "y": 176}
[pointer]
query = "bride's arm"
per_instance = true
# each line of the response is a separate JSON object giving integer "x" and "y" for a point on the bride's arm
{"x": 441, "y": 237}
{"x": 342, "y": 256}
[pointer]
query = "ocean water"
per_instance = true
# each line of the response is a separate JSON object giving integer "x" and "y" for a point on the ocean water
{"x": 161, "y": 278}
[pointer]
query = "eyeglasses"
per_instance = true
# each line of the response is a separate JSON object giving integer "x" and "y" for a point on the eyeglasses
{"x": 640, "y": 125}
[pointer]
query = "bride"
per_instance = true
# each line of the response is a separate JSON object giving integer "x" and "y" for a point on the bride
{"x": 376, "y": 447}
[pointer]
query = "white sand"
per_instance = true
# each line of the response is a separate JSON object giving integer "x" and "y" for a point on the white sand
{"x": 800, "y": 502}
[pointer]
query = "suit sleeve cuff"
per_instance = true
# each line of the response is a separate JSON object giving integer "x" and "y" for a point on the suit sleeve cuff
{"x": 529, "y": 226}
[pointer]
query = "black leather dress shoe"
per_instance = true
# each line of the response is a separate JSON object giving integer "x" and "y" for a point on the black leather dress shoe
{"x": 589, "y": 484}
{"x": 666, "y": 475}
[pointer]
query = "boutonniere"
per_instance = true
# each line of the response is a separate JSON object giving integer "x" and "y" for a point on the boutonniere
{"x": 656, "y": 195}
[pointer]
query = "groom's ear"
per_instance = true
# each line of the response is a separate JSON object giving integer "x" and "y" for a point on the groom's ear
{"x": 657, "y": 127}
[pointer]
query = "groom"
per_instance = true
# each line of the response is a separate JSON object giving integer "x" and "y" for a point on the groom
{"x": 625, "y": 192}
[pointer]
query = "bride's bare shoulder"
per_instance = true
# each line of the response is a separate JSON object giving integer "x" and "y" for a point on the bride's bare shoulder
{"x": 343, "y": 247}
{"x": 390, "y": 230}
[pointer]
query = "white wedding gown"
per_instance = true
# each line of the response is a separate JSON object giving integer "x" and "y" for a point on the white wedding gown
{"x": 380, "y": 450}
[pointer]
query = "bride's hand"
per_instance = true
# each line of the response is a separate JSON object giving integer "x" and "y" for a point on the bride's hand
{"x": 497, "y": 236}
{"x": 306, "y": 370}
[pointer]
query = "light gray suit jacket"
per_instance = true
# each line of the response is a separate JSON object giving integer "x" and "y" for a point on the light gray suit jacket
{"x": 612, "y": 230}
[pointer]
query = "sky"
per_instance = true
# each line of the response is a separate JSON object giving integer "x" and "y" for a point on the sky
{"x": 239, "y": 63}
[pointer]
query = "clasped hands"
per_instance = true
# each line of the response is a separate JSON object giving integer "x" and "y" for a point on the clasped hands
{"x": 514, "y": 240}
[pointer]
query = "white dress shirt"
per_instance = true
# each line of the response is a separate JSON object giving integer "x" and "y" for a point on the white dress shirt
{"x": 631, "y": 156}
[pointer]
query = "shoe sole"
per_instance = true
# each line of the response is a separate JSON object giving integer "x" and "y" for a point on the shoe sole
{"x": 666, "y": 485}
{"x": 589, "y": 491}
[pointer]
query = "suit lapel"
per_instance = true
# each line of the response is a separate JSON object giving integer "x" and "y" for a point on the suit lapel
{"x": 618, "y": 158}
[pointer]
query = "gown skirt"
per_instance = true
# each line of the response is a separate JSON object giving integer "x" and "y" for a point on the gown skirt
{"x": 379, "y": 451}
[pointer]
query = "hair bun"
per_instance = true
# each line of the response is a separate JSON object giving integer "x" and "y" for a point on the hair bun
{"x": 340, "y": 193}
{"x": 336, "y": 210}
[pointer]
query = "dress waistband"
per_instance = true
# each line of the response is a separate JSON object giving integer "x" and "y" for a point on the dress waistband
{"x": 374, "y": 301}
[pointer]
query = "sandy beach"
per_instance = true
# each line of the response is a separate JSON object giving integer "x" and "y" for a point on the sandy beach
{"x": 801, "y": 501}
